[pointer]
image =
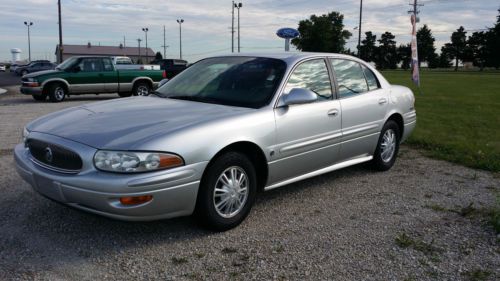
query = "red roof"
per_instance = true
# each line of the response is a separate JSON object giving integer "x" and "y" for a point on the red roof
{"x": 105, "y": 50}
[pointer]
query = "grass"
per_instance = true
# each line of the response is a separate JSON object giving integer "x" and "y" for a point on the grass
{"x": 458, "y": 116}
{"x": 405, "y": 241}
{"x": 477, "y": 275}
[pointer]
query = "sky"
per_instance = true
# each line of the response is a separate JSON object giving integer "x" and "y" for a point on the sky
{"x": 206, "y": 30}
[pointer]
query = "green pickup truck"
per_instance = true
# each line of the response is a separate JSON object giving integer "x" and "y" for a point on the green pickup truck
{"x": 88, "y": 75}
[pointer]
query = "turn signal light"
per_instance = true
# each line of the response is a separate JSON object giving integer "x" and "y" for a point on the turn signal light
{"x": 136, "y": 200}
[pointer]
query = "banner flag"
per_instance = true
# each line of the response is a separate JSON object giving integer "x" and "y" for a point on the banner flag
{"x": 415, "y": 75}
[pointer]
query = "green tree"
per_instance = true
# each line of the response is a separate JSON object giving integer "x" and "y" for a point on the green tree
{"x": 404, "y": 55}
{"x": 323, "y": 33}
{"x": 458, "y": 45}
{"x": 476, "y": 45}
{"x": 158, "y": 56}
{"x": 387, "y": 57}
{"x": 493, "y": 45}
{"x": 368, "y": 48}
{"x": 444, "y": 59}
{"x": 425, "y": 46}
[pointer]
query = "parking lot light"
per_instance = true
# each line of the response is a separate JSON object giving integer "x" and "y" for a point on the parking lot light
{"x": 145, "y": 29}
{"x": 180, "y": 21}
{"x": 28, "y": 24}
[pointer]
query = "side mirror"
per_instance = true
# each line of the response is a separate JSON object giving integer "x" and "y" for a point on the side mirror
{"x": 77, "y": 69}
{"x": 162, "y": 82}
{"x": 298, "y": 96}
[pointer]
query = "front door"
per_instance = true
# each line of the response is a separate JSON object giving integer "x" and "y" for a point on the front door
{"x": 307, "y": 135}
{"x": 87, "y": 76}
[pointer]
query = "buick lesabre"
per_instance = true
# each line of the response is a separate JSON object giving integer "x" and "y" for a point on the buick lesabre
{"x": 207, "y": 141}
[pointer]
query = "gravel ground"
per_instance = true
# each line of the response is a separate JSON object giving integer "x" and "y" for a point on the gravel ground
{"x": 410, "y": 223}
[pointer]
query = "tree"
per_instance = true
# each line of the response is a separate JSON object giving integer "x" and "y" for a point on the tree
{"x": 493, "y": 45}
{"x": 368, "y": 49}
{"x": 387, "y": 56}
{"x": 425, "y": 46}
{"x": 323, "y": 33}
{"x": 158, "y": 56}
{"x": 445, "y": 56}
{"x": 476, "y": 49}
{"x": 458, "y": 44}
{"x": 404, "y": 55}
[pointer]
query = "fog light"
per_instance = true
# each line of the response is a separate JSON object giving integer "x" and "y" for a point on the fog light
{"x": 136, "y": 200}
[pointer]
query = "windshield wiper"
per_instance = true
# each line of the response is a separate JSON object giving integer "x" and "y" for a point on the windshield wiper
{"x": 189, "y": 98}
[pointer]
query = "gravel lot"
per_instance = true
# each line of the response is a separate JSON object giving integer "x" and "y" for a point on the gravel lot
{"x": 410, "y": 223}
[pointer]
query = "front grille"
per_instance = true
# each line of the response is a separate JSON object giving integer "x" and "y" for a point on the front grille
{"x": 54, "y": 156}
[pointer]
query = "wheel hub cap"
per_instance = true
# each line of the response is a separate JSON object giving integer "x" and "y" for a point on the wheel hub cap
{"x": 388, "y": 145}
{"x": 231, "y": 192}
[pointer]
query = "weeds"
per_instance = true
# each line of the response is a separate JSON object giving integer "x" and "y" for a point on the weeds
{"x": 477, "y": 274}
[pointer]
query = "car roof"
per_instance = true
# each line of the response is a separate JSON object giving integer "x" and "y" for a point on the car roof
{"x": 289, "y": 57}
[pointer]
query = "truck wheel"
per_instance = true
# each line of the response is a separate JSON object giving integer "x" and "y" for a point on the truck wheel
{"x": 125, "y": 94}
{"x": 57, "y": 92}
{"x": 41, "y": 97}
{"x": 141, "y": 89}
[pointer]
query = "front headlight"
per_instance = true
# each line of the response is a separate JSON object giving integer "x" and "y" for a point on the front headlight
{"x": 31, "y": 79}
{"x": 25, "y": 135}
{"x": 133, "y": 162}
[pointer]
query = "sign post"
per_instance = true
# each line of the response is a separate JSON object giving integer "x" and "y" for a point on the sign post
{"x": 287, "y": 34}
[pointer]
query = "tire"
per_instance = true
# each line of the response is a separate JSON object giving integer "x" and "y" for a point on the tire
{"x": 141, "y": 89}
{"x": 125, "y": 94}
{"x": 219, "y": 207}
{"x": 387, "y": 149}
{"x": 41, "y": 97}
{"x": 56, "y": 92}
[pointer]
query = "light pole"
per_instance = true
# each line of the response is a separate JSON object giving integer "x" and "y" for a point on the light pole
{"x": 60, "y": 32}
{"x": 145, "y": 29}
{"x": 359, "y": 28}
{"x": 238, "y": 6}
{"x": 139, "y": 42}
{"x": 180, "y": 21}
{"x": 232, "y": 28}
{"x": 28, "y": 24}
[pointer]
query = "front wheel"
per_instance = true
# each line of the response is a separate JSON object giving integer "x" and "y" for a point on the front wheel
{"x": 227, "y": 192}
{"x": 141, "y": 89}
{"x": 387, "y": 147}
{"x": 57, "y": 92}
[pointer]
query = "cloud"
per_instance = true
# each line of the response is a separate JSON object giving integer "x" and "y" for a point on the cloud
{"x": 206, "y": 29}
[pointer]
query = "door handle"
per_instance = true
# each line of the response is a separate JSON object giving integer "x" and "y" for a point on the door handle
{"x": 382, "y": 101}
{"x": 333, "y": 112}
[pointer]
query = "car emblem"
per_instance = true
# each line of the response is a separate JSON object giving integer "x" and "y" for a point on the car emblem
{"x": 48, "y": 155}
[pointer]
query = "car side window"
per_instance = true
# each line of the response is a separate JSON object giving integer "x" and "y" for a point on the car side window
{"x": 90, "y": 65}
{"x": 312, "y": 75}
{"x": 108, "y": 66}
{"x": 371, "y": 79}
{"x": 350, "y": 77}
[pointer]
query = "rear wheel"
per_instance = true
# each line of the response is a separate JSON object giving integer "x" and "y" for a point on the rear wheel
{"x": 387, "y": 147}
{"x": 141, "y": 89}
{"x": 56, "y": 92}
{"x": 41, "y": 97}
{"x": 227, "y": 192}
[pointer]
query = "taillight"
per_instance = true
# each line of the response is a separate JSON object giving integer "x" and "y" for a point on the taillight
{"x": 164, "y": 74}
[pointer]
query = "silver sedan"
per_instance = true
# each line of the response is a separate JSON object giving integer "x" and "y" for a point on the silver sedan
{"x": 209, "y": 139}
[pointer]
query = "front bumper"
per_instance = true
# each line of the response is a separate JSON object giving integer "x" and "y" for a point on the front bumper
{"x": 34, "y": 91}
{"x": 174, "y": 191}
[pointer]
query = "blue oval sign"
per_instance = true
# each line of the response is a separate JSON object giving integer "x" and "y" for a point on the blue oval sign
{"x": 287, "y": 32}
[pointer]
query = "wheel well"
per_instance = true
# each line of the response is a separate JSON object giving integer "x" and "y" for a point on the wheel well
{"x": 46, "y": 86}
{"x": 254, "y": 154}
{"x": 142, "y": 80}
{"x": 396, "y": 117}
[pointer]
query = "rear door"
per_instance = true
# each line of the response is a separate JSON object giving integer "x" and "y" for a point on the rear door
{"x": 364, "y": 105}
{"x": 109, "y": 76}
{"x": 308, "y": 135}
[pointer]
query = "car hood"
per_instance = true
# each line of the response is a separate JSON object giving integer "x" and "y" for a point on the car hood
{"x": 40, "y": 73}
{"x": 127, "y": 123}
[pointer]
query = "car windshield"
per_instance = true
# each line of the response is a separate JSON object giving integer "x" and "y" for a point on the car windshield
{"x": 236, "y": 81}
{"x": 67, "y": 63}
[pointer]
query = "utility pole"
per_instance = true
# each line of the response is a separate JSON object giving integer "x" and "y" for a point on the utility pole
{"x": 28, "y": 24}
{"x": 232, "y": 29}
{"x": 359, "y": 28}
{"x": 415, "y": 10}
{"x": 139, "y": 42}
{"x": 180, "y": 21}
{"x": 60, "y": 59}
{"x": 164, "y": 44}
{"x": 145, "y": 29}
{"x": 238, "y": 6}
